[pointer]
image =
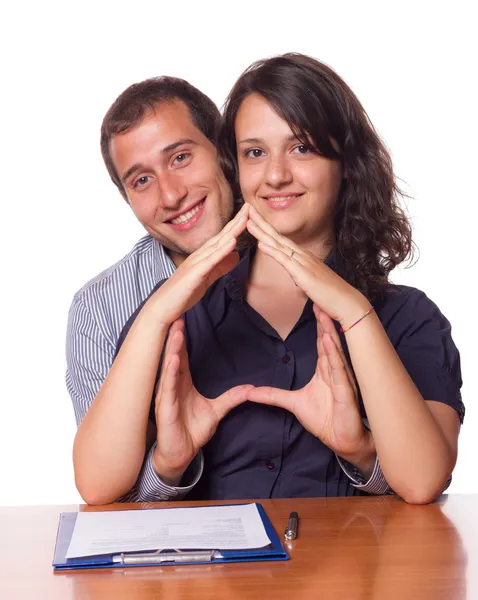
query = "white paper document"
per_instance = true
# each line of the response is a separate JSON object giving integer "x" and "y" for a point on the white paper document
{"x": 206, "y": 527}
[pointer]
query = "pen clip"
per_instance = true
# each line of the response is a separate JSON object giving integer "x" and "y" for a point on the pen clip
{"x": 291, "y": 529}
{"x": 159, "y": 556}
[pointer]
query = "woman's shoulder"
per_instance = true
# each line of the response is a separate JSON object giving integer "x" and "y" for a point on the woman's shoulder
{"x": 404, "y": 308}
{"x": 407, "y": 300}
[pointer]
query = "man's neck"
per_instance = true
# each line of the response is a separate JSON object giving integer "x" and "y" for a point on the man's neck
{"x": 176, "y": 257}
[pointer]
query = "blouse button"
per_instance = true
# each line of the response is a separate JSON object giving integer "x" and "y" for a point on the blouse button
{"x": 286, "y": 358}
{"x": 270, "y": 465}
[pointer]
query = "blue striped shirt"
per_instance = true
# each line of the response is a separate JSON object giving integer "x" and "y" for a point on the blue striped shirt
{"x": 99, "y": 311}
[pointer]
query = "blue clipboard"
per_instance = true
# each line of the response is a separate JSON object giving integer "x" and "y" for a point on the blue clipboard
{"x": 274, "y": 551}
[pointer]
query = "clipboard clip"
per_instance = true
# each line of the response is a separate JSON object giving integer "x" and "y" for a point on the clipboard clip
{"x": 158, "y": 557}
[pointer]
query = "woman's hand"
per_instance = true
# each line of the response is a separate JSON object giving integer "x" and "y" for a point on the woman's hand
{"x": 329, "y": 291}
{"x": 328, "y": 405}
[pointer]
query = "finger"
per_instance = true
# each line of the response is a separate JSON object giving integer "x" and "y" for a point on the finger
{"x": 184, "y": 370}
{"x": 224, "y": 266}
{"x": 240, "y": 217}
{"x": 320, "y": 340}
{"x": 292, "y": 266}
{"x": 167, "y": 397}
{"x": 267, "y": 238}
{"x": 232, "y": 230}
{"x": 272, "y": 396}
{"x": 327, "y": 326}
{"x": 338, "y": 373}
{"x": 221, "y": 247}
{"x": 256, "y": 219}
{"x": 177, "y": 325}
{"x": 230, "y": 399}
{"x": 323, "y": 369}
{"x": 216, "y": 261}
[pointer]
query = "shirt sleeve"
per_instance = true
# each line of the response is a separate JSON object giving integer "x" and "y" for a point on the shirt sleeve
{"x": 422, "y": 338}
{"x": 89, "y": 356}
{"x": 376, "y": 484}
{"x": 150, "y": 488}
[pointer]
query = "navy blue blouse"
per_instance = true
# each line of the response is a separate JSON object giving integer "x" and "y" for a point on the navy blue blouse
{"x": 263, "y": 451}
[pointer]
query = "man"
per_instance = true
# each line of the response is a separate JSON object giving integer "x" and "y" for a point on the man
{"x": 157, "y": 142}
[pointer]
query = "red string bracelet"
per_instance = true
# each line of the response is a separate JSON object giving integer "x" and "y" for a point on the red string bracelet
{"x": 353, "y": 324}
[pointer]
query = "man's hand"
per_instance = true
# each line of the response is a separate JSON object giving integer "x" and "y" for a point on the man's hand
{"x": 185, "y": 420}
{"x": 200, "y": 270}
{"x": 328, "y": 405}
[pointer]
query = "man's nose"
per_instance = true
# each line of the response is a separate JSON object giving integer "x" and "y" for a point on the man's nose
{"x": 278, "y": 172}
{"x": 172, "y": 190}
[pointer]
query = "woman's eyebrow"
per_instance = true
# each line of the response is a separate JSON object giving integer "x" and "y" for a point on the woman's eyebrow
{"x": 289, "y": 138}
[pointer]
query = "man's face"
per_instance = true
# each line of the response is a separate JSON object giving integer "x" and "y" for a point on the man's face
{"x": 172, "y": 180}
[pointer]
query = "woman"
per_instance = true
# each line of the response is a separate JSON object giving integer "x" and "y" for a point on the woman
{"x": 321, "y": 201}
{"x": 297, "y": 140}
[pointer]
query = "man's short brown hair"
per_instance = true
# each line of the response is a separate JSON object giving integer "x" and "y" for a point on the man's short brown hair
{"x": 130, "y": 108}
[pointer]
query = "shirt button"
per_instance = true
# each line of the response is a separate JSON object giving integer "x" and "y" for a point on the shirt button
{"x": 285, "y": 358}
{"x": 270, "y": 465}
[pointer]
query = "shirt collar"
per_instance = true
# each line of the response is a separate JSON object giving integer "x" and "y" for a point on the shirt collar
{"x": 163, "y": 266}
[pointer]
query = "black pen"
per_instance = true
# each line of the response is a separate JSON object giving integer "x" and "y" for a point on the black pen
{"x": 291, "y": 529}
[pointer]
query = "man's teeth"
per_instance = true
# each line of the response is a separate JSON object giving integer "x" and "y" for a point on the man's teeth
{"x": 186, "y": 216}
{"x": 281, "y": 198}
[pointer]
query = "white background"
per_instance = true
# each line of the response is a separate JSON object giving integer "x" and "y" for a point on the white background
{"x": 412, "y": 66}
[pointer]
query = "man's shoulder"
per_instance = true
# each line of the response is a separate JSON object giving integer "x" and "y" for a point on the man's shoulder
{"x": 136, "y": 268}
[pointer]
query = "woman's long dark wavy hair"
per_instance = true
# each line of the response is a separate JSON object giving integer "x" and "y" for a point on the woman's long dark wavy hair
{"x": 373, "y": 233}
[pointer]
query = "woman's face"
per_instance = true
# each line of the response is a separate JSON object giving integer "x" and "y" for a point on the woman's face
{"x": 294, "y": 188}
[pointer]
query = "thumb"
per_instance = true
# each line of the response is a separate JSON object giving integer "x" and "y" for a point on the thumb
{"x": 230, "y": 399}
{"x": 272, "y": 396}
{"x": 222, "y": 268}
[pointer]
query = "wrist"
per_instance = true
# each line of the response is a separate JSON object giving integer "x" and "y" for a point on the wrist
{"x": 170, "y": 475}
{"x": 154, "y": 312}
{"x": 364, "y": 457}
{"x": 356, "y": 308}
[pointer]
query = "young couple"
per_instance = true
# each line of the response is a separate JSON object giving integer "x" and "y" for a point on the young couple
{"x": 267, "y": 355}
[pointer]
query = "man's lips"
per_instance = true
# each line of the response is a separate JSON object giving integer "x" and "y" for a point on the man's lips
{"x": 186, "y": 214}
{"x": 188, "y": 218}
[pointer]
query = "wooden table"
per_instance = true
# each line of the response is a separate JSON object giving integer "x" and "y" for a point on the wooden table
{"x": 348, "y": 548}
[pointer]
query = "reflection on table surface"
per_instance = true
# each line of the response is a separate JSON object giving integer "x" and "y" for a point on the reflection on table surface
{"x": 349, "y": 548}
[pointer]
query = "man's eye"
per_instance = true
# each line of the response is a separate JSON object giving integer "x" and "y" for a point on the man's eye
{"x": 180, "y": 158}
{"x": 141, "y": 181}
{"x": 254, "y": 153}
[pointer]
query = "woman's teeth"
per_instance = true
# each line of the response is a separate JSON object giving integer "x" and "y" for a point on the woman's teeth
{"x": 281, "y": 198}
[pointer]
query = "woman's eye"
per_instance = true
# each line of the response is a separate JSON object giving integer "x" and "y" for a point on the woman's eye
{"x": 254, "y": 153}
{"x": 302, "y": 149}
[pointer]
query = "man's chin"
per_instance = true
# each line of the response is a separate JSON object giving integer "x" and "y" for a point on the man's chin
{"x": 189, "y": 242}
{"x": 178, "y": 254}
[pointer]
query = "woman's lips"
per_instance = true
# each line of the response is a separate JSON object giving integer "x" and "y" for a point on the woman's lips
{"x": 281, "y": 202}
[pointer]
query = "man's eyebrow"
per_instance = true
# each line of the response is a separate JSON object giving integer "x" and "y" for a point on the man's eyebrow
{"x": 131, "y": 170}
{"x": 289, "y": 138}
{"x": 165, "y": 150}
{"x": 175, "y": 145}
